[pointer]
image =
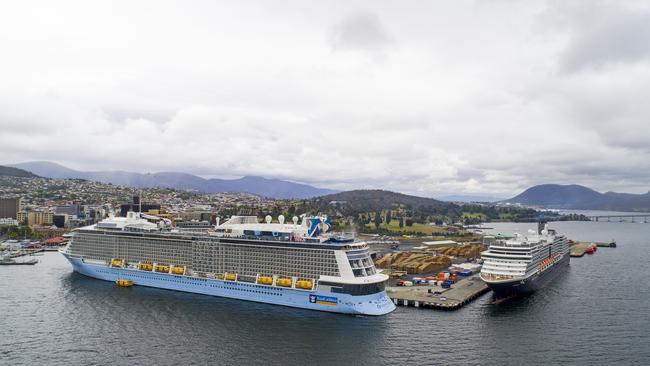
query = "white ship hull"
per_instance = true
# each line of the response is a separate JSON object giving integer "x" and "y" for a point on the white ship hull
{"x": 375, "y": 304}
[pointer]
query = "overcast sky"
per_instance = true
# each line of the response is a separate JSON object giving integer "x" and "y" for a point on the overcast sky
{"x": 413, "y": 96}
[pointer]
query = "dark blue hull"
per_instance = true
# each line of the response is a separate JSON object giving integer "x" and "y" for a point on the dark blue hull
{"x": 532, "y": 283}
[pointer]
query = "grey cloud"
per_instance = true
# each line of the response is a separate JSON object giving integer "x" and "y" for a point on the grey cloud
{"x": 606, "y": 34}
{"x": 478, "y": 108}
{"x": 359, "y": 31}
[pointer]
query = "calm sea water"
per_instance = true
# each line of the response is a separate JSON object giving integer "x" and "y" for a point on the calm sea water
{"x": 597, "y": 314}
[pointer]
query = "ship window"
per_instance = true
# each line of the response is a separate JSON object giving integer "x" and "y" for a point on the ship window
{"x": 359, "y": 290}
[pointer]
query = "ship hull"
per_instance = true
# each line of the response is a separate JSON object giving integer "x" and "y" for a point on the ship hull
{"x": 504, "y": 289}
{"x": 375, "y": 304}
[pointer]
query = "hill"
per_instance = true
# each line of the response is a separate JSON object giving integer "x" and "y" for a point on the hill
{"x": 364, "y": 201}
{"x": 274, "y": 188}
{"x": 580, "y": 197}
{"x": 15, "y": 172}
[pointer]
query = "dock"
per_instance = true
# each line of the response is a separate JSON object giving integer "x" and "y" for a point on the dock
{"x": 578, "y": 248}
{"x": 460, "y": 294}
{"x": 25, "y": 252}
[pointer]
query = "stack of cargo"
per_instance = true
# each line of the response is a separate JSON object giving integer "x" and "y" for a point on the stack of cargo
{"x": 414, "y": 263}
{"x": 466, "y": 251}
{"x": 466, "y": 269}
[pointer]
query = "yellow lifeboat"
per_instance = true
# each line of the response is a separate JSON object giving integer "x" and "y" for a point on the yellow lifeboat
{"x": 145, "y": 266}
{"x": 178, "y": 270}
{"x": 162, "y": 268}
{"x": 304, "y": 284}
{"x": 231, "y": 277}
{"x": 221, "y": 276}
{"x": 124, "y": 283}
{"x": 117, "y": 263}
{"x": 265, "y": 280}
{"x": 284, "y": 282}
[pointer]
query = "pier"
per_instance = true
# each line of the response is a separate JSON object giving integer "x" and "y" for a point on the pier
{"x": 460, "y": 294}
{"x": 578, "y": 248}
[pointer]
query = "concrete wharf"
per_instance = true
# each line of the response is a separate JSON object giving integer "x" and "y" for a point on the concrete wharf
{"x": 460, "y": 294}
{"x": 578, "y": 248}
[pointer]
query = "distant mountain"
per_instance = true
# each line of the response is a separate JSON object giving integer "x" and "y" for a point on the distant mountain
{"x": 15, "y": 172}
{"x": 256, "y": 185}
{"x": 580, "y": 197}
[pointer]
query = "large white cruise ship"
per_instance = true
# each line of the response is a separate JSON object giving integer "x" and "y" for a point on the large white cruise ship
{"x": 524, "y": 264}
{"x": 292, "y": 264}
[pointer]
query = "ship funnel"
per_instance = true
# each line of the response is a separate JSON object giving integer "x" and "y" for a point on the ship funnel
{"x": 281, "y": 219}
{"x": 295, "y": 220}
{"x": 268, "y": 219}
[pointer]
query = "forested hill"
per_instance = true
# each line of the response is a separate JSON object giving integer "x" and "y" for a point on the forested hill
{"x": 8, "y": 171}
{"x": 360, "y": 201}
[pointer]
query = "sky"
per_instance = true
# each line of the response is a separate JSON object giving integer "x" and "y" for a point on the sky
{"x": 420, "y": 97}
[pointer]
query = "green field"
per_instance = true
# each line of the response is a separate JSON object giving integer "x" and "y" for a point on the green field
{"x": 420, "y": 228}
{"x": 475, "y": 215}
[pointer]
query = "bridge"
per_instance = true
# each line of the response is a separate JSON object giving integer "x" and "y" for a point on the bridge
{"x": 644, "y": 218}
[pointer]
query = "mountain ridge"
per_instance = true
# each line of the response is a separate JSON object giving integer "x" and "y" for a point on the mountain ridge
{"x": 574, "y": 196}
{"x": 10, "y": 171}
{"x": 274, "y": 188}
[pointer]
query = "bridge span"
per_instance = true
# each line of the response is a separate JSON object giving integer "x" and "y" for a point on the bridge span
{"x": 642, "y": 218}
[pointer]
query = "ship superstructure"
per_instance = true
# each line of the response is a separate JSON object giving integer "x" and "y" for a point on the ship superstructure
{"x": 293, "y": 264}
{"x": 524, "y": 263}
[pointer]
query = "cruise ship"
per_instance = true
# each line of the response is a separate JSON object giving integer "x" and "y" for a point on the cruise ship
{"x": 293, "y": 264}
{"x": 524, "y": 264}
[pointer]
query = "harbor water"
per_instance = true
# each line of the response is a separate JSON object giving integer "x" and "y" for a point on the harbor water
{"x": 597, "y": 313}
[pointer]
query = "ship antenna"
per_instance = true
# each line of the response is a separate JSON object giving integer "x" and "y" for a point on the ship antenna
{"x": 140, "y": 203}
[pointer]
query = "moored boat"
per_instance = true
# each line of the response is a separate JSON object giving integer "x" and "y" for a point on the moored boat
{"x": 524, "y": 264}
{"x": 291, "y": 264}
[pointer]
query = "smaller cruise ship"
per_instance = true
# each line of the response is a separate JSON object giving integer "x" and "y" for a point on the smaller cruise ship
{"x": 524, "y": 263}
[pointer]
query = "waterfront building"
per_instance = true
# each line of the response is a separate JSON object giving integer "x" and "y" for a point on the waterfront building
{"x": 59, "y": 220}
{"x": 35, "y": 218}
{"x": 8, "y": 222}
{"x": 10, "y": 206}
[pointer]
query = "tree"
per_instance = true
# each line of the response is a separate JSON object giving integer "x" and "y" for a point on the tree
{"x": 377, "y": 219}
{"x": 388, "y": 217}
{"x": 401, "y": 222}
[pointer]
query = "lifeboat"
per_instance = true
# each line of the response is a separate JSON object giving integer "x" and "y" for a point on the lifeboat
{"x": 265, "y": 280}
{"x": 221, "y": 276}
{"x": 284, "y": 282}
{"x": 162, "y": 268}
{"x": 124, "y": 283}
{"x": 304, "y": 284}
{"x": 117, "y": 263}
{"x": 231, "y": 277}
{"x": 178, "y": 270}
{"x": 145, "y": 266}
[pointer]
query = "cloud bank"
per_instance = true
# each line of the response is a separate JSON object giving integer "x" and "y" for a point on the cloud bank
{"x": 425, "y": 98}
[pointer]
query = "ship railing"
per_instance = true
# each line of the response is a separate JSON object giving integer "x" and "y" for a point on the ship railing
{"x": 494, "y": 277}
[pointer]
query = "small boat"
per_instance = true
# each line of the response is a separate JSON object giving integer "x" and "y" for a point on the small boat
{"x": 124, "y": 283}
{"x": 8, "y": 261}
